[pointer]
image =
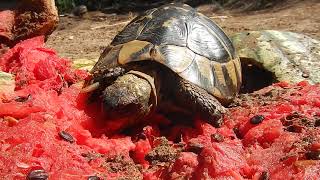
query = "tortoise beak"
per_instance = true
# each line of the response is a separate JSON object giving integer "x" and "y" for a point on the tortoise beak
{"x": 90, "y": 88}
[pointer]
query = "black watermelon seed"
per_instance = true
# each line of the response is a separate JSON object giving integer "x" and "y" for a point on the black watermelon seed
{"x": 294, "y": 129}
{"x": 290, "y": 129}
{"x": 23, "y": 98}
{"x": 38, "y": 174}
{"x": 293, "y": 116}
{"x": 313, "y": 155}
{"x": 264, "y": 176}
{"x": 142, "y": 136}
{"x": 317, "y": 122}
{"x": 257, "y": 119}
{"x": 66, "y": 136}
{"x": 93, "y": 178}
{"x": 195, "y": 148}
{"x": 217, "y": 137}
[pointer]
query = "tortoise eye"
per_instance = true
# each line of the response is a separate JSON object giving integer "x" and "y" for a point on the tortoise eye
{"x": 153, "y": 52}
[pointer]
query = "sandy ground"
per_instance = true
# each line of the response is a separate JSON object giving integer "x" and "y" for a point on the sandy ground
{"x": 86, "y": 37}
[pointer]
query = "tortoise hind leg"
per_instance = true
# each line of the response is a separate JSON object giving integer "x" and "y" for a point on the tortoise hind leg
{"x": 196, "y": 99}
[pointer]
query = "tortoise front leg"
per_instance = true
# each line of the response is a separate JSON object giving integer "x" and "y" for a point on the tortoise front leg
{"x": 199, "y": 100}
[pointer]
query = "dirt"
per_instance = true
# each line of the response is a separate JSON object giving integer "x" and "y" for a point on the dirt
{"x": 119, "y": 164}
{"x": 86, "y": 37}
{"x": 164, "y": 152}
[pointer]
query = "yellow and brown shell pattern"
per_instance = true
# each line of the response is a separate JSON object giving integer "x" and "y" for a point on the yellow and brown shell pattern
{"x": 187, "y": 42}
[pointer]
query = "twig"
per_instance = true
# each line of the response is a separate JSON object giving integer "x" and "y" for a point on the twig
{"x": 219, "y": 17}
{"x": 109, "y": 25}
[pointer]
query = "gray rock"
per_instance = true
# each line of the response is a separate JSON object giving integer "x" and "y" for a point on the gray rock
{"x": 291, "y": 57}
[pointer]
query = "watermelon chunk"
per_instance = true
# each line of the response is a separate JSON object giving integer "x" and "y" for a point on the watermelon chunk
{"x": 48, "y": 129}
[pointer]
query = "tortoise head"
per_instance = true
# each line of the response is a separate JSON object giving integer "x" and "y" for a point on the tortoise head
{"x": 130, "y": 96}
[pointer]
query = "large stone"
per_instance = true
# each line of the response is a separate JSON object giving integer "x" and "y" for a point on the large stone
{"x": 25, "y": 19}
{"x": 289, "y": 56}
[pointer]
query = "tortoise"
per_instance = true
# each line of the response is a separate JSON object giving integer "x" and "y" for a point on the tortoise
{"x": 170, "y": 59}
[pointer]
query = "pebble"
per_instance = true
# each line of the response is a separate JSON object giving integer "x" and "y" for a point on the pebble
{"x": 217, "y": 137}
{"x": 305, "y": 75}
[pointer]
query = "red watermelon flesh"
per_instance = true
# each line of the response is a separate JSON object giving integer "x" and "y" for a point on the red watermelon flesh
{"x": 47, "y": 124}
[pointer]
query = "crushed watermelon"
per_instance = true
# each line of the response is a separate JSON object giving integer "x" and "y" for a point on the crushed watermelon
{"x": 48, "y": 129}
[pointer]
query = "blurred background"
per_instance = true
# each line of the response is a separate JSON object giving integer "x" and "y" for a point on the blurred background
{"x": 126, "y": 5}
{"x": 84, "y": 31}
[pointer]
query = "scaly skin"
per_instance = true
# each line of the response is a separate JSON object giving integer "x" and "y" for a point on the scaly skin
{"x": 190, "y": 99}
{"x": 127, "y": 97}
{"x": 198, "y": 100}
{"x": 130, "y": 96}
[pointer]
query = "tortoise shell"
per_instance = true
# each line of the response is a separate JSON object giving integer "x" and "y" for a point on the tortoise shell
{"x": 187, "y": 42}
